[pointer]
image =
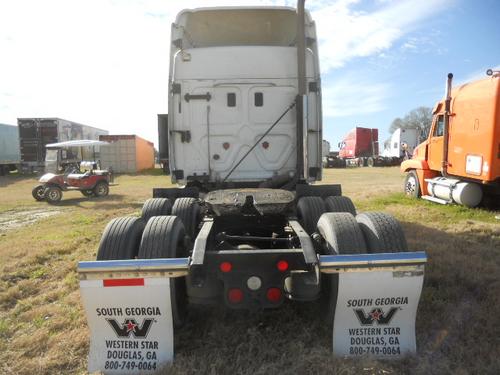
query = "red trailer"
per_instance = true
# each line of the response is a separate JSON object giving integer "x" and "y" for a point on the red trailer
{"x": 360, "y": 148}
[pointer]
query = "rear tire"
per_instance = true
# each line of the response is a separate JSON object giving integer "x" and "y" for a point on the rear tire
{"x": 188, "y": 210}
{"x": 341, "y": 235}
{"x": 53, "y": 194}
{"x": 382, "y": 232}
{"x": 340, "y": 204}
{"x": 101, "y": 189}
{"x": 309, "y": 210}
{"x": 163, "y": 237}
{"x": 38, "y": 193}
{"x": 412, "y": 185}
{"x": 121, "y": 239}
{"x": 156, "y": 207}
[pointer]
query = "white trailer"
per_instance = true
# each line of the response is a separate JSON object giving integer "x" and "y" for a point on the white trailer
{"x": 402, "y": 143}
{"x": 247, "y": 229}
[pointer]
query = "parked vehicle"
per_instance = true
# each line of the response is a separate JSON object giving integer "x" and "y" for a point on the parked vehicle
{"x": 248, "y": 229}
{"x": 36, "y": 133}
{"x": 127, "y": 153}
{"x": 73, "y": 173}
{"x": 332, "y": 160}
{"x": 402, "y": 144}
{"x": 360, "y": 148}
{"x": 9, "y": 149}
{"x": 460, "y": 160}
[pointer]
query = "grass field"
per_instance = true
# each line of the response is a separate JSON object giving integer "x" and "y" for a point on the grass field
{"x": 43, "y": 328}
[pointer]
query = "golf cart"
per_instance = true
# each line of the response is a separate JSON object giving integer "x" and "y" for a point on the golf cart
{"x": 72, "y": 165}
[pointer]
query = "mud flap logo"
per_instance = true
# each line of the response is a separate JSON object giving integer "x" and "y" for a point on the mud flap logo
{"x": 130, "y": 326}
{"x": 376, "y": 315}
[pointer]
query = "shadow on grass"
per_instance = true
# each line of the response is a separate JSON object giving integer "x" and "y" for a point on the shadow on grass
{"x": 14, "y": 178}
{"x": 111, "y": 202}
{"x": 456, "y": 326}
{"x": 145, "y": 172}
{"x": 454, "y": 212}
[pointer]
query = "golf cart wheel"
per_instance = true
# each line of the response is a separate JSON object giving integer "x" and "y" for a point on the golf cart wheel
{"x": 121, "y": 238}
{"x": 163, "y": 237}
{"x": 309, "y": 210}
{"x": 340, "y": 204}
{"x": 53, "y": 194}
{"x": 156, "y": 207}
{"x": 101, "y": 189}
{"x": 382, "y": 232}
{"x": 412, "y": 185}
{"x": 87, "y": 193}
{"x": 188, "y": 210}
{"x": 38, "y": 193}
{"x": 341, "y": 235}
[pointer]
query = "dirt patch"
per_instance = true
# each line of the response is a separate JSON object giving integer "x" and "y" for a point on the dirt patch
{"x": 15, "y": 219}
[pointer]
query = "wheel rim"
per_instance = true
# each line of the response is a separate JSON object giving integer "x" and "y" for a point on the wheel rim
{"x": 411, "y": 185}
{"x": 101, "y": 189}
{"x": 54, "y": 195}
{"x": 39, "y": 192}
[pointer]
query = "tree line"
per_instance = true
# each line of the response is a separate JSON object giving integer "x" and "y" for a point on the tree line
{"x": 419, "y": 118}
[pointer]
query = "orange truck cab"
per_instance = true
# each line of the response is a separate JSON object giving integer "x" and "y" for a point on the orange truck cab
{"x": 460, "y": 160}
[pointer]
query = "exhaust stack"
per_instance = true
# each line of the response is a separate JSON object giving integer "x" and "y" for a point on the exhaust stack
{"x": 301, "y": 78}
{"x": 447, "y": 114}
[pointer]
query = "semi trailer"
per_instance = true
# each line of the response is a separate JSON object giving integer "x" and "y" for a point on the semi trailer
{"x": 9, "y": 149}
{"x": 248, "y": 228}
{"x": 402, "y": 143}
{"x": 360, "y": 148}
{"x": 36, "y": 133}
{"x": 459, "y": 162}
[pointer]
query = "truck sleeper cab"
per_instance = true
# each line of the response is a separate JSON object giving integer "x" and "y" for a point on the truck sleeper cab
{"x": 233, "y": 73}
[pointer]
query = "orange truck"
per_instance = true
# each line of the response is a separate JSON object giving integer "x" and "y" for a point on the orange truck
{"x": 460, "y": 160}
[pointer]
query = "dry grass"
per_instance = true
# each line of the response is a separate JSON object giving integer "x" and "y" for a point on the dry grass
{"x": 43, "y": 329}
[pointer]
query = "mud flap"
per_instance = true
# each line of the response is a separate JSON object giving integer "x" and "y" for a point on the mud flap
{"x": 375, "y": 313}
{"x": 377, "y": 302}
{"x": 130, "y": 321}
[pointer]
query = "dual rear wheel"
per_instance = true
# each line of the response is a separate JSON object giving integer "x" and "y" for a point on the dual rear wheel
{"x": 156, "y": 234}
{"x": 310, "y": 209}
{"x": 340, "y": 230}
{"x": 343, "y": 233}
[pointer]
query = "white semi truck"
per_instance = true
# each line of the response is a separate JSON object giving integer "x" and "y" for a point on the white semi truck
{"x": 402, "y": 144}
{"x": 247, "y": 228}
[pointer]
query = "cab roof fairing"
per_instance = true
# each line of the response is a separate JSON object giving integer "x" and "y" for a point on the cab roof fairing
{"x": 274, "y": 26}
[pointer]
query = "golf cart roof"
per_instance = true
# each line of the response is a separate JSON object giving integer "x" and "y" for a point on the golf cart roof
{"x": 77, "y": 143}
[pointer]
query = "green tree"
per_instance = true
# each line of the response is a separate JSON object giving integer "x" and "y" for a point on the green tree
{"x": 420, "y": 118}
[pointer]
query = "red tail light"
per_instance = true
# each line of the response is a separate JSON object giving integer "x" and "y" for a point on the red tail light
{"x": 226, "y": 267}
{"x": 282, "y": 265}
{"x": 235, "y": 295}
{"x": 274, "y": 295}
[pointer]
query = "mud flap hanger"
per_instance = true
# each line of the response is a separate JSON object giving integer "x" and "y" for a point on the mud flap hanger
{"x": 128, "y": 307}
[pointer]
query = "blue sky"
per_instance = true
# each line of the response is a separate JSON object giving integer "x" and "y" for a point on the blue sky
{"x": 105, "y": 62}
{"x": 458, "y": 36}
